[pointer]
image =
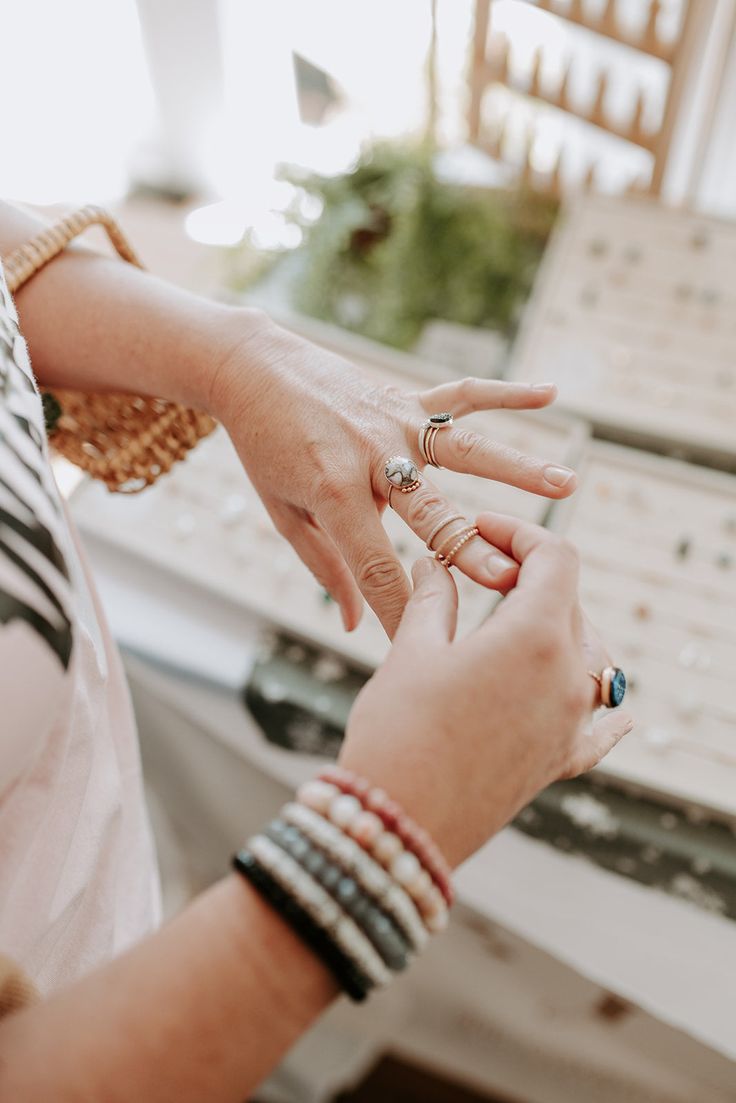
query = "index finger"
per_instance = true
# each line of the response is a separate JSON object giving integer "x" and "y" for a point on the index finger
{"x": 548, "y": 571}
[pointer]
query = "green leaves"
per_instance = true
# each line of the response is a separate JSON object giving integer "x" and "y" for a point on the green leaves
{"x": 395, "y": 246}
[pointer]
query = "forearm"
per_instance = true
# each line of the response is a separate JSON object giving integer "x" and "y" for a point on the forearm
{"x": 202, "y": 1010}
{"x": 95, "y": 323}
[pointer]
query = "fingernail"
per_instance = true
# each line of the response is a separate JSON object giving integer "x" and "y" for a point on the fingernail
{"x": 558, "y": 476}
{"x": 629, "y": 727}
{"x": 543, "y": 386}
{"x": 497, "y": 565}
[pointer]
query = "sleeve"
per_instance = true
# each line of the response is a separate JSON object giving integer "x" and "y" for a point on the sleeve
{"x": 35, "y": 597}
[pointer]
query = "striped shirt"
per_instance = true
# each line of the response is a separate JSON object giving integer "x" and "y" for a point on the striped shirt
{"x": 77, "y": 871}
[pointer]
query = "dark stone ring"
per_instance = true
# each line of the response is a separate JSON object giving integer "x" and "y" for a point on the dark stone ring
{"x": 612, "y": 683}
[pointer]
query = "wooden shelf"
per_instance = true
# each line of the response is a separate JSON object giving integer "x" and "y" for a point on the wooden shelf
{"x": 559, "y": 100}
{"x": 607, "y": 26}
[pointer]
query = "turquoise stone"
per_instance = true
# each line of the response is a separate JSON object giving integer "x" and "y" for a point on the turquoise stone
{"x": 618, "y": 688}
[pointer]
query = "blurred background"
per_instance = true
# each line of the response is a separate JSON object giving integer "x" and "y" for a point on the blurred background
{"x": 435, "y": 187}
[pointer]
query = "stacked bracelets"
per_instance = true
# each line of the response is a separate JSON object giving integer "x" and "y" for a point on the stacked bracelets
{"x": 353, "y": 875}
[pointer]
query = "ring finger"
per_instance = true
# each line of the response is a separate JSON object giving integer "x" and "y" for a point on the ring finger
{"x": 429, "y": 514}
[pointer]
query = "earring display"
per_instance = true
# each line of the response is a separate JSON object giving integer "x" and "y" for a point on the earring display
{"x": 632, "y": 317}
{"x": 654, "y": 535}
{"x": 205, "y": 524}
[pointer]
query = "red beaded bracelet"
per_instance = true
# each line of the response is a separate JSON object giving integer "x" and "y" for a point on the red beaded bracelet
{"x": 414, "y": 837}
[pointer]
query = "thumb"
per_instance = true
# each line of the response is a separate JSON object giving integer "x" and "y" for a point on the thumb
{"x": 430, "y": 615}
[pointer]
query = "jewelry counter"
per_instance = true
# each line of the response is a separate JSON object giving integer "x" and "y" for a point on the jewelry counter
{"x": 632, "y": 315}
{"x": 554, "y": 973}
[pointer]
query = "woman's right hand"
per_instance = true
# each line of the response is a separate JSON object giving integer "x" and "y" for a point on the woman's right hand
{"x": 465, "y": 733}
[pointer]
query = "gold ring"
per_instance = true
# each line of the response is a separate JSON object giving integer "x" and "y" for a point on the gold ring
{"x": 612, "y": 685}
{"x": 440, "y": 525}
{"x": 461, "y": 537}
{"x": 427, "y": 434}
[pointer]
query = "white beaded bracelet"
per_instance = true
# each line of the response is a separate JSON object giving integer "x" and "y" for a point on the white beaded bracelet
{"x": 322, "y": 908}
{"x": 348, "y": 814}
{"x": 371, "y": 877}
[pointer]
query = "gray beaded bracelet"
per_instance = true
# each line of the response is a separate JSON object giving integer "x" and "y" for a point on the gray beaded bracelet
{"x": 375, "y": 923}
{"x": 372, "y": 878}
{"x": 321, "y": 907}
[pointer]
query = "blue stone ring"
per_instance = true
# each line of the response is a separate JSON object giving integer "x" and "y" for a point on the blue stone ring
{"x": 612, "y": 684}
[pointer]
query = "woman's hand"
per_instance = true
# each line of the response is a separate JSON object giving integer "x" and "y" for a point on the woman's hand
{"x": 464, "y": 734}
{"x": 314, "y": 435}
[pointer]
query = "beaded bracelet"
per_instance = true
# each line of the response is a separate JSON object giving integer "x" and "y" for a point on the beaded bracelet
{"x": 372, "y": 878}
{"x": 350, "y": 979}
{"x": 347, "y": 812}
{"x": 375, "y": 924}
{"x": 394, "y": 819}
{"x": 323, "y": 909}
{"x": 353, "y": 876}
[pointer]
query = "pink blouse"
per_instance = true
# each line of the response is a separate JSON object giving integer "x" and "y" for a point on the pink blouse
{"x": 78, "y": 879}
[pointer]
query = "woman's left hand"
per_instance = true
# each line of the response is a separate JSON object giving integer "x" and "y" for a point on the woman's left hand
{"x": 314, "y": 434}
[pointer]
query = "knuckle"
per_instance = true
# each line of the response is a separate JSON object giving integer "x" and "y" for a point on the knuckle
{"x": 424, "y": 509}
{"x": 380, "y": 572}
{"x": 577, "y": 699}
{"x": 544, "y": 644}
{"x": 390, "y": 392}
{"x": 467, "y": 389}
{"x": 467, "y": 445}
{"x": 573, "y": 767}
{"x": 565, "y": 551}
{"x": 331, "y": 491}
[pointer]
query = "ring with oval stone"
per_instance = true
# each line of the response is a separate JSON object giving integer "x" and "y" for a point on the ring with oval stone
{"x": 612, "y": 684}
{"x": 402, "y": 474}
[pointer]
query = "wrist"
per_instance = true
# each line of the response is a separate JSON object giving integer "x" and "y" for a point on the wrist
{"x": 248, "y": 344}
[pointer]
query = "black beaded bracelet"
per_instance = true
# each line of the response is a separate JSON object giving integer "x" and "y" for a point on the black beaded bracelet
{"x": 350, "y": 979}
{"x": 378, "y": 927}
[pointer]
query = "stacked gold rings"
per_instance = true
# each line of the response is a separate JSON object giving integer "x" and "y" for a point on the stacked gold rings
{"x": 449, "y": 548}
{"x": 441, "y": 524}
{"x": 427, "y": 434}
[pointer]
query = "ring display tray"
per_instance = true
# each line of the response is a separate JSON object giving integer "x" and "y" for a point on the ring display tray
{"x": 657, "y": 540}
{"x": 634, "y": 317}
{"x": 205, "y": 523}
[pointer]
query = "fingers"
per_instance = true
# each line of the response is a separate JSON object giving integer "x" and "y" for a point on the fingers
{"x": 469, "y": 452}
{"x": 595, "y": 655}
{"x": 425, "y": 508}
{"x": 431, "y": 614}
{"x": 605, "y": 733}
{"x": 464, "y": 396}
{"x": 548, "y": 572}
{"x": 352, "y": 520}
{"x": 318, "y": 552}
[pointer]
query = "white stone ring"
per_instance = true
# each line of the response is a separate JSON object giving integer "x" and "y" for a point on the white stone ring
{"x": 403, "y": 474}
{"x": 427, "y": 433}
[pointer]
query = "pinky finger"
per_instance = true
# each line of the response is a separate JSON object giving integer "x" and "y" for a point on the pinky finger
{"x": 319, "y": 553}
{"x": 605, "y": 732}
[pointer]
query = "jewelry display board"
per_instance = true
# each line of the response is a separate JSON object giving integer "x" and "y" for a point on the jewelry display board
{"x": 205, "y": 523}
{"x": 633, "y": 317}
{"x": 665, "y": 42}
{"x": 657, "y": 540}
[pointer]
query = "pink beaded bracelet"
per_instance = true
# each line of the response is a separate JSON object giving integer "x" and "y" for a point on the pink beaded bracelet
{"x": 346, "y": 812}
{"x": 415, "y": 838}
